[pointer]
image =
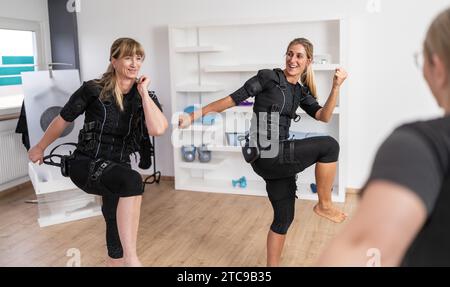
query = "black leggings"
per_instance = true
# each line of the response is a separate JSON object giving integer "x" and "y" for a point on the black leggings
{"x": 116, "y": 180}
{"x": 280, "y": 173}
{"x": 109, "y": 210}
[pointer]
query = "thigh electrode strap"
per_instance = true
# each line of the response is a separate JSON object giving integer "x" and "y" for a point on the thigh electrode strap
{"x": 64, "y": 159}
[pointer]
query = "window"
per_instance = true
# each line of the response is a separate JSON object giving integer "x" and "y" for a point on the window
{"x": 21, "y": 50}
{"x": 16, "y": 55}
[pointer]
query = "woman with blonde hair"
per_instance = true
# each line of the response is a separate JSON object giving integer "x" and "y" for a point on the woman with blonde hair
{"x": 120, "y": 114}
{"x": 404, "y": 216}
{"x": 278, "y": 93}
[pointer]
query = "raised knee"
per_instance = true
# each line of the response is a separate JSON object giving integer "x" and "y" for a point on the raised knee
{"x": 133, "y": 184}
{"x": 332, "y": 150}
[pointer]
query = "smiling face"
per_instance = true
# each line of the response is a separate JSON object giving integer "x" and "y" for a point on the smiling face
{"x": 296, "y": 60}
{"x": 126, "y": 58}
{"x": 128, "y": 67}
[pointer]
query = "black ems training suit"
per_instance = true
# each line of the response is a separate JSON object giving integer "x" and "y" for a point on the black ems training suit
{"x": 274, "y": 94}
{"x": 101, "y": 163}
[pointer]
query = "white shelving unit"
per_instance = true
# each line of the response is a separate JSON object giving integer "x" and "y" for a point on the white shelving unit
{"x": 211, "y": 60}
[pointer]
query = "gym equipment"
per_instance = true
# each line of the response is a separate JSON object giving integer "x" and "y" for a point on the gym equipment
{"x": 241, "y": 182}
{"x": 188, "y": 153}
{"x": 204, "y": 155}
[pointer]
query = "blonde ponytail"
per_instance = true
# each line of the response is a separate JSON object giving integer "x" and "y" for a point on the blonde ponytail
{"x": 309, "y": 79}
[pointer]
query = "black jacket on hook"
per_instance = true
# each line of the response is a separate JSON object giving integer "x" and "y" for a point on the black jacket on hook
{"x": 22, "y": 127}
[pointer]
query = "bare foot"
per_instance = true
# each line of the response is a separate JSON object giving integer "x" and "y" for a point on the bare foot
{"x": 111, "y": 262}
{"x": 132, "y": 262}
{"x": 332, "y": 213}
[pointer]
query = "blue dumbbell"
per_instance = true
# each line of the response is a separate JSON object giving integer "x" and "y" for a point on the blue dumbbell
{"x": 242, "y": 182}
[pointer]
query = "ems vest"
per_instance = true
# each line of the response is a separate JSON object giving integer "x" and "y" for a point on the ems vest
{"x": 273, "y": 116}
{"x": 113, "y": 134}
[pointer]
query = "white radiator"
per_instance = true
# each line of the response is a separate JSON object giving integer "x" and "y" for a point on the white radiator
{"x": 13, "y": 156}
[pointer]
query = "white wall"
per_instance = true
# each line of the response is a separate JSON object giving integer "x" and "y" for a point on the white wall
{"x": 34, "y": 10}
{"x": 384, "y": 87}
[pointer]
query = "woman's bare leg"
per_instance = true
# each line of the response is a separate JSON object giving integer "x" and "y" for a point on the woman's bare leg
{"x": 275, "y": 243}
{"x": 128, "y": 212}
{"x": 325, "y": 174}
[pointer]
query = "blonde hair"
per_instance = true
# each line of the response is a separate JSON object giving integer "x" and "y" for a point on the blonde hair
{"x": 437, "y": 40}
{"x": 307, "y": 77}
{"x": 121, "y": 47}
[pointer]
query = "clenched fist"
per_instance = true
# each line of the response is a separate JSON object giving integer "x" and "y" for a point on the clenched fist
{"x": 339, "y": 77}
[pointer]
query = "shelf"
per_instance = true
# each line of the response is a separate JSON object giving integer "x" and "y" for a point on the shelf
{"x": 249, "y": 109}
{"x": 199, "y": 49}
{"x": 195, "y": 88}
{"x": 224, "y": 148}
{"x": 257, "y": 67}
{"x": 199, "y": 128}
{"x": 239, "y": 68}
{"x": 325, "y": 67}
{"x": 213, "y": 164}
{"x": 254, "y": 187}
{"x": 240, "y": 109}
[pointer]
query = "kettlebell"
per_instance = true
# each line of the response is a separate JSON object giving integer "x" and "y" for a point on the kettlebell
{"x": 204, "y": 155}
{"x": 188, "y": 153}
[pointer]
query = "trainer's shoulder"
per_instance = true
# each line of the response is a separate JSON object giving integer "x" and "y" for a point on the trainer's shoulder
{"x": 267, "y": 75}
{"x": 435, "y": 133}
{"x": 437, "y": 127}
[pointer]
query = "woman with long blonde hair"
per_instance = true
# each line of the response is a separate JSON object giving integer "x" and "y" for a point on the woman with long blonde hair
{"x": 120, "y": 113}
{"x": 277, "y": 159}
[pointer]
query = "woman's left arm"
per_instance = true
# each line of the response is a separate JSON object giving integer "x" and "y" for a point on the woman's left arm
{"x": 155, "y": 120}
{"x": 325, "y": 113}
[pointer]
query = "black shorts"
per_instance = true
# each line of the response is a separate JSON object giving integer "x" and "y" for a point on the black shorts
{"x": 117, "y": 179}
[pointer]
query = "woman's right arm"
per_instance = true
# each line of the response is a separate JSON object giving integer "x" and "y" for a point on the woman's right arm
{"x": 218, "y": 106}
{"x": 251, "y": 88}
{"x": 53, "y": 132}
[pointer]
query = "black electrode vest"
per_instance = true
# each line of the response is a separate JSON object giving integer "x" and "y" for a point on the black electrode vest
{"x": 272, "y": 101}
{"x": 113, "y": 134}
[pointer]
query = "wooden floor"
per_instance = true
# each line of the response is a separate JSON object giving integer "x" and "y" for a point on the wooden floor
{"x": 177, "y": 228}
